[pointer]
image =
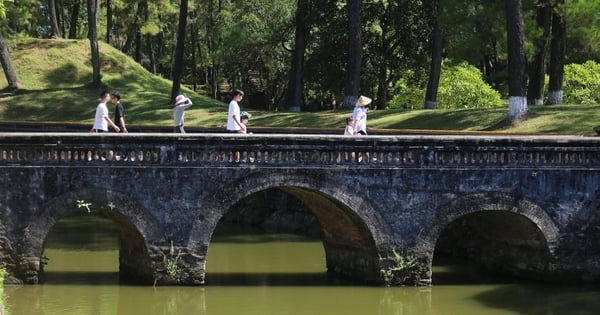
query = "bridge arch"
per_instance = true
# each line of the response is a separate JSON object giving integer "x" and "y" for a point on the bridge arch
{"x": 496, "y": 209}
{"x": 353, "y": 232}
{"x": 138, "y": 232}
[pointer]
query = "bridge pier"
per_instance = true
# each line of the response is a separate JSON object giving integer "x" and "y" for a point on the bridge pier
{"x": 178, "y": 265}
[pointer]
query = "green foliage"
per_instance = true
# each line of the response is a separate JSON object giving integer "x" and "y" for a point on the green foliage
{"x": 583, "y": 20}
{"x": 408, "y": 92}
{"x": 461, "y": 87}
{"x": 582, "y": 83}
{"x": 171, "y": 262}
{"x": 400, "y": 270}
{"x": 475, "y": 31}
{"x": 247, "y": 44}
{"x": 3, "y": 8}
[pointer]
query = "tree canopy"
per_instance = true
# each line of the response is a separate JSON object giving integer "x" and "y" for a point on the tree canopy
{"x": 249, "y": 44}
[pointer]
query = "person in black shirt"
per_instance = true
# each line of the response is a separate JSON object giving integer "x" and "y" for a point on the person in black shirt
{"x": 119, "y": 112}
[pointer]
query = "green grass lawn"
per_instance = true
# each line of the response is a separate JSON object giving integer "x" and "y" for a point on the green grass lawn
{"x": 54, "y": 77}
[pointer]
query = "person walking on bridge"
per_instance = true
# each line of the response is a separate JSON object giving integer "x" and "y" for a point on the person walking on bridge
{"x": 101, "y": 120}
{"x": 361, "y": 108}
{"x": 234, "y": 124}
{"x": 181, "y": 104}
{"x": 119, "y": 111}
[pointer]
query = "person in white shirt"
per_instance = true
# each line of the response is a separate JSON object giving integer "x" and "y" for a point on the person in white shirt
{"x": 101, "y": 120}
{"x": 360, "y": 115}
{"x": 349, "y": 130}
{"x": 234, "y": 124}
{"x": 181, "y": 104}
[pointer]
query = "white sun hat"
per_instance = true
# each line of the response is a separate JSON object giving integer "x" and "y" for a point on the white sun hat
{"x": 363, "y": 101}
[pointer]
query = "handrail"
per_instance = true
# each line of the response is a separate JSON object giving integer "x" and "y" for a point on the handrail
{"x": 285, "y": 150}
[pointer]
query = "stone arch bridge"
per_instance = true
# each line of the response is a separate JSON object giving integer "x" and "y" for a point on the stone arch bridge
{"x": 524, "y": 205}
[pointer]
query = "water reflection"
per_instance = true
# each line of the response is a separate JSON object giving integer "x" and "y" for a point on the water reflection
{"x": 264, "y": 274}
{"x": 261, "y": 300}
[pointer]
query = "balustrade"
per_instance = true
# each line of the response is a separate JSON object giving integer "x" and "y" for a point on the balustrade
{"x": 299, "y": 150}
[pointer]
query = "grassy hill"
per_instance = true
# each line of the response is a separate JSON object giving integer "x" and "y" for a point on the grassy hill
{"x": 54, "y": 76}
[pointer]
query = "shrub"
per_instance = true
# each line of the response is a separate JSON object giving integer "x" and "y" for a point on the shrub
{"x": 461, "y": 86}
{"x": 408, "y": 92}
{"x": 581, "y": 83}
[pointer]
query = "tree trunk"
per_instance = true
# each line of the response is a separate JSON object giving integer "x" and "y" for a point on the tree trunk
{"x": 179, "y": 50}
{"x": 60, "y": 8}
{"x": 537, "y": 71}
{"x": 210, "y": 71}
{"x": 151, "y": 55}
{"x": 55, "y": 30}
{"x": 516, "y": 61}
{"x": 131, "y": 34}
{"x": 9, "y": 71}
{"x": 149, "y": 46}
{"x": 352, "y": 86}
{"x": 293, "y": 100}
{"x": 109, "y": 22}
{"x": 557, "y": 57}
{"x": 74, "y": 20}
{"x": 436, "y": 60}
{"x": 137, "y": 56}
{"x": 195, "y": 48}
{"x": 382, "y": 86}
{"x": 92, "y": 7}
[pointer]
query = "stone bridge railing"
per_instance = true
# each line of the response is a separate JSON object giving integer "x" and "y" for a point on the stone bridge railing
{"x": 299, "y": 150}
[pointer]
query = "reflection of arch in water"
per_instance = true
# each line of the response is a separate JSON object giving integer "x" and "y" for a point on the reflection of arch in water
{"x": 518, "y": 234}
{"x": 353, "y": 232}
{"x": 135, "y": 228}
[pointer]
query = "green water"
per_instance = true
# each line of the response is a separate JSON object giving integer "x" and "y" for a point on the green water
{"x": 259, "y": 274}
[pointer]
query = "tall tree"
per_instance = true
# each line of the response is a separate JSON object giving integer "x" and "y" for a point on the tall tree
{"x": 352, "y": 87}
{"x": 9, "y": 71}
{"x": 179, "y": 50}
{"x": 148, "y": 35}
{"x": 557, "y": 55}
{"x": 436, "y": 59}
{"x": 109, "y": 21}
{"x": 537, "y": 68}
{"x": 517, "y": 102}
{"x": 55, "y": 30}
{"x": 92, "y": 8}
{"x": 74, "y": 22}
{"x": 293, "y": 100}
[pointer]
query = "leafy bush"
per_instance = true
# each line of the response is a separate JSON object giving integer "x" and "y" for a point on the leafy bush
{"x": 581, "y": 83}
{"x": 461, "y": 86}
{"x": 408, "y": 92}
